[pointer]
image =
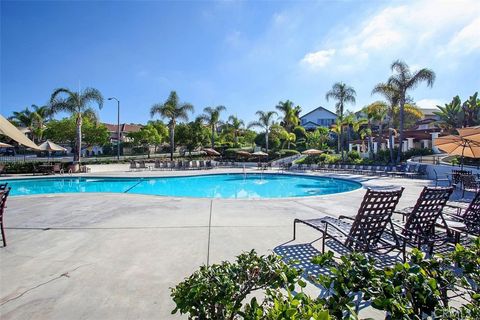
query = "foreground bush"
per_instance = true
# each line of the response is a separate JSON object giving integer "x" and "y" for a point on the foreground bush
{"x": 418, "y": 289}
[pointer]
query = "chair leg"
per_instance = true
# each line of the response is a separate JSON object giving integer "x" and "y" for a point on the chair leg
{"x": 3, "y": 236}
{"x": 294, "y": 229}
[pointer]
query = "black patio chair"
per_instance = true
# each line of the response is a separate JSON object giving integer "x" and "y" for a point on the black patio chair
{"x": 368, "y": 231}
{"x": 3, "y": 200}
{"x": 461, "y": 219}
{"x": 421, "y": 220}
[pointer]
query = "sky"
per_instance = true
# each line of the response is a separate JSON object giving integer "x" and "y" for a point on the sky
{"x": 247, "y": 56}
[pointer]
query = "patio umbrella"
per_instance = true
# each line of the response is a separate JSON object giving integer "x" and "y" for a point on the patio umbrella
{"x": 471, "y": 133}
{"x": 312, "y": 152}
{"x": 5, "y": 145}
{"x": 51, "y": 146}
{"x": 9, "y": 130}
{"x": 243, "y": 153}
{"x": 458, "y": 146}
{"x": 260, "y": 154}
{"x": 211, "y": 152}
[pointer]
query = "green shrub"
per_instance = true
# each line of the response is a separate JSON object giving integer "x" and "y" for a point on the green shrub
{"x": 417, "y": 289}
{"x": 353, "y": 155}
{"x": 231, "y": 153}
{"x": 287, "y": 153}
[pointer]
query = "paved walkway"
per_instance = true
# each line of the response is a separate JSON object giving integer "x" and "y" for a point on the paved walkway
{"x": 115, "y": 256}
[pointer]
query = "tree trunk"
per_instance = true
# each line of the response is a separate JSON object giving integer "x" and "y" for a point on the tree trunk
{"x": 266, "y": 140}
{"x": 213, "y": 136}
{"x": 340, "y": 141}
{"x": 235, "y": 137}
{"x": 78, "y": 147}
{"x": 402, "y": 116}
{"x": 172, "y": 140}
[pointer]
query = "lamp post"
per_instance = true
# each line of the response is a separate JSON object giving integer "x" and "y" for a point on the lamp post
{"x": 118, "y": 126}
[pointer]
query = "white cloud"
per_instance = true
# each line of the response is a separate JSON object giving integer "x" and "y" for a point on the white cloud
{"x": 438, "y": 29}
{"x": 467, "y": 39}
{"x": 318, "y": 59}
{"x": 429, "y": 103}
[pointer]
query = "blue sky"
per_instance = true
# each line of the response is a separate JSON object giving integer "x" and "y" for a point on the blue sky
{"x": 244, "y": 55}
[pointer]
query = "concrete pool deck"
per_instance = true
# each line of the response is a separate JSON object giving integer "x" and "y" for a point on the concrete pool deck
{"x": 115, "y": 256}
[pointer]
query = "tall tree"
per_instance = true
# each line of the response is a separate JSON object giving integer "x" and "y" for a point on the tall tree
{"x": 265, "y": 121}
{"x": 392, "y": 95}
{"x": 212, "y": 117}
{"x": 236, "y": 125}
{"x": 77, "y": 103}
{"x": 404, "y": 80}
{"x": 343, "y": 94}
{"x": 451, "y": 115}
{"x": 33, "y": 119}
{"x": 173, "y": 110}
{"x": 290, "y": 114}
{"x": 471, "y": 109}
{"x": 376, "y": 113}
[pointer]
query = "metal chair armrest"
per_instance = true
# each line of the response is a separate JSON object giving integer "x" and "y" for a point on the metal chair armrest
{"x": 346, "y": 217}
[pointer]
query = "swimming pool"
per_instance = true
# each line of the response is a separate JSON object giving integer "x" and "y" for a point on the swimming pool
{"x": 228, "y": 186}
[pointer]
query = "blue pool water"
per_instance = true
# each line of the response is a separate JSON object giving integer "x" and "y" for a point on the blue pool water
{"x": 232, "y": 186}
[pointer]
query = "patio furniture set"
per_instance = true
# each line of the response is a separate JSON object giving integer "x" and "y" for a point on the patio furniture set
{"x": 171, "y": 165}
{"x": 403, "y": 171}
{"x": 433, "y": 221}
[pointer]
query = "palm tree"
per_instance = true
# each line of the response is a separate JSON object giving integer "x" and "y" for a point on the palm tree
{"x": 78, "y": 104}
{"x": 236, "y": 125}
{"x": 212, "y": 117}
{"x": 343, "y": 94}
{"x": 290, "y": 114}
{"x": 392, "y": 95}
{"x": 471, "y": 107}
{"x": 173, "y": 110}
{"x": 404, "y": 80}
{"x": 376, "y": 113}
{"x": 265, "y": 121}
{"x": 33, "y": 120}
{"x": 451, "y": 116}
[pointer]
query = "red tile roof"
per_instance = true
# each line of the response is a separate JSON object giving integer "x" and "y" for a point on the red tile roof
{"x": 124, "y": 127}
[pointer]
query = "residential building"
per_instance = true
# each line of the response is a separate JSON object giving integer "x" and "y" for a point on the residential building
{"x": 318, "y": 117}
{"x": 125, "y": 128}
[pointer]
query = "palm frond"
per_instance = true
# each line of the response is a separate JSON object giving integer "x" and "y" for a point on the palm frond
{"x": 91, "y": 95}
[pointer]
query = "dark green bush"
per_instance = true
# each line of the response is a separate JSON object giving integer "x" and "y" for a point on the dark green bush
{"x": 417, "y": 289}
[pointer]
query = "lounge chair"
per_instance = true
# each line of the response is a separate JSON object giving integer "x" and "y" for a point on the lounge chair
{"x": 439, "y": 179}
{"x": 469, "y": 184}
{"x": 368, "y": 231}
{"x": 57, "y": 168}
{"x": 419, "y": 227}
{"x": 142, "y": 165}
{"x": 3, "y": 199}
{"x": 133, "y": 165}
{"x": 460, "y": 219}
{"x": 3, "y": 186}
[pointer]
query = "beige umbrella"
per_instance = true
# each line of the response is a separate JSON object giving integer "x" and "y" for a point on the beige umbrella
{"x": 50, "y": 146}
{"x": 211, "y": 152}
{"x": 8, "y": 129}
{"x": 5, "y": 145}
{"x": 243, "y": 153}
{"x": 260, "y": 154}
{"x": 312, "y": 152}
{"x": 471, "y": 133}
{"x": 458, "y": 146}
